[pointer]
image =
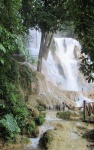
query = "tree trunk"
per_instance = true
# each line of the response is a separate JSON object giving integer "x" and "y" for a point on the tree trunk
{"x": 39, "y": 65}
{"x": 47, "y": 44}
{"x": 44, "y": 48}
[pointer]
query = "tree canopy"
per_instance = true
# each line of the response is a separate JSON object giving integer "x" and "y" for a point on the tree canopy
{"x": 44, "y": 14}
{"x": 47, "y": 16}
{"x": 10, "y": 28}
{"x": 82, "y": 13}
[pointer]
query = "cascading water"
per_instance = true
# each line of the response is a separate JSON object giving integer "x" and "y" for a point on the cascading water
{"x": 62, "y": 64}
{"x": 65, "y": 53}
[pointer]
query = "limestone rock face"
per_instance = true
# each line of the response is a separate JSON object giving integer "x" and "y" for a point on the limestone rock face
{"x": 40, "y": 91}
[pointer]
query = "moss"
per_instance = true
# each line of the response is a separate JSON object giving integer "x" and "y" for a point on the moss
{"x": 41, "y": 108}
{"x": 35, "y": 113}
{"x": 46, "y": 139}
{"x": 35, "y": 132}
{"x": 28, "y": 80}
{"x": 64, "y": 115}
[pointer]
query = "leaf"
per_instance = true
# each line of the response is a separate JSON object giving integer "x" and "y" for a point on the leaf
{"x": 2, "y": 60}
{"x": 10, "y": 124}
{"x": 2, "y": 48}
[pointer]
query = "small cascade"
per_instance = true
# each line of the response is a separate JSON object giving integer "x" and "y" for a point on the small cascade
{"x": 35, "y": 141}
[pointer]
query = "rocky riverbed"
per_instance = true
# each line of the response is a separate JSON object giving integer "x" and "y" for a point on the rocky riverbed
{"x": 66, "y": 135}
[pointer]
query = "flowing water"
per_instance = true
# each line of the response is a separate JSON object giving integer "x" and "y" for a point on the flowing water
{"x": 62, "y": 65}
{"x": 67, "y": 135}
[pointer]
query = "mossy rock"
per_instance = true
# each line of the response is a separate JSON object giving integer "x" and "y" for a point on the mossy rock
{"x": 46, "y": 139}
{"x": 35, "y": 113}
{"x": 41, "y": 108}
{"x": 35, "y": 132}
{"x": 64, "y": 115}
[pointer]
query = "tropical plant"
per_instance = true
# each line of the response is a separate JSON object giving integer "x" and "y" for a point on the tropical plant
{"x": 39, "y": 120}
{"x": 8, "y": 126}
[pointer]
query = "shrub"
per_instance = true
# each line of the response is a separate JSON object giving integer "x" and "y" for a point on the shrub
{"x": 40, "y": 119}
{"x": 31, "y": 127}
{"x": 64, "y": 115}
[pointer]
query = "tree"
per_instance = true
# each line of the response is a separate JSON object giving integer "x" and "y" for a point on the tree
{"x": 82, "y": 13}
{"x": 11, "y": 28}
{"x": 47, "y": 16}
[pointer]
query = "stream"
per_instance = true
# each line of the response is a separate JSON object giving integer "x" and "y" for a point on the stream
{"x": 67, "y": 134}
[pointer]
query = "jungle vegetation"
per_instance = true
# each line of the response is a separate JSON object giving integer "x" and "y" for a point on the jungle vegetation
{"x": 16, "y": 17}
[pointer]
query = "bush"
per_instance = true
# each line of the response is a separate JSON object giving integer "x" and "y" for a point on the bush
{"x": 64, "y": 115}
{"x": 31, "y": 127}
{"x": 40, "y": 119}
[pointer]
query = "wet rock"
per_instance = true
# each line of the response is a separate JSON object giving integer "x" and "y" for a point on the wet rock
{"x": 81, "y": 126}
{"x": 89, "y": 135}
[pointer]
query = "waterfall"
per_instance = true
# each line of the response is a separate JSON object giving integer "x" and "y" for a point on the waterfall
{"x": 66, "y": 63}
{"x": 62, "y": 64}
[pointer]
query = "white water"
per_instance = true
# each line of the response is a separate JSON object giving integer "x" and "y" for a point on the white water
{"x": 62, "y": 65}
{"x": 43, "y": 128}
{"x": 79, "y": 101}
{"x": 65, "y": 52}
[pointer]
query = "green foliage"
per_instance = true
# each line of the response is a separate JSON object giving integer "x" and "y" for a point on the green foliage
{"x": 11, "y": 100}
{"x": 31, "y": 127}
{"x": 41, "y": 108}
{"x": 13, "y": 111}
{"x": 64, "y": 115}
{"x": 83, "y": 18}
{"x": 9, "y": 126}
{"x": 40, "y": 119}
{"x": 46, "y": 15}
{"x": 10, "y": 15}
{"x": 26, "y": 77}
{"x": 9, "y": 43}
{"x": 11, "y": 30}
